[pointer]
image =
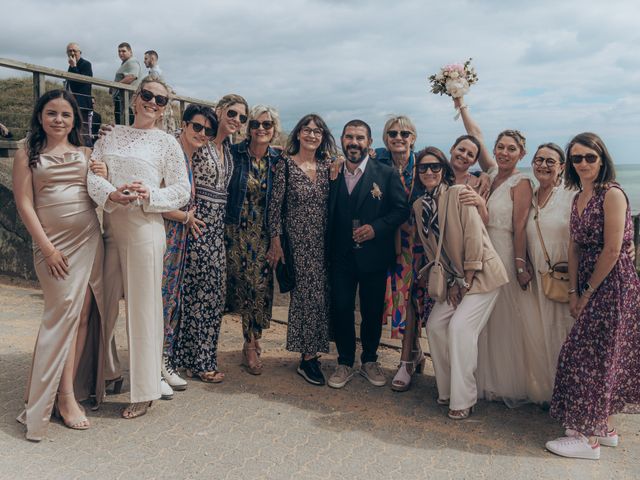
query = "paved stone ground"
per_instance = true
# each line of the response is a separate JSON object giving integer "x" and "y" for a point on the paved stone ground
{"x": 277, "y": 426}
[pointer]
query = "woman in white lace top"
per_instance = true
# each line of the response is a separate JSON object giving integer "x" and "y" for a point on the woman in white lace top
{"x": 147, "y": 176}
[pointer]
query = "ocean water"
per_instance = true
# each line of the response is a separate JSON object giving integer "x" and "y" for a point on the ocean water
{"x": 627, "y": 175}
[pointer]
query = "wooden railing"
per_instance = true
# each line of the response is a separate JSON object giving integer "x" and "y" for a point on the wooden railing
{"x": 40, "y": 73}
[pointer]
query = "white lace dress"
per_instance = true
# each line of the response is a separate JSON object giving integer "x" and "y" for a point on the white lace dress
{"x": 134, "y": 238}
{"x": 555, "y": 320}
{"x": 503, "y": 367}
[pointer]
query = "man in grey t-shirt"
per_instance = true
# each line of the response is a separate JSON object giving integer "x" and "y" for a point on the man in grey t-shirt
{"x": 129, "y": 73}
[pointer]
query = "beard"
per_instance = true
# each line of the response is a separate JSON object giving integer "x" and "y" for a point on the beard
{"x": 356, "y": 156}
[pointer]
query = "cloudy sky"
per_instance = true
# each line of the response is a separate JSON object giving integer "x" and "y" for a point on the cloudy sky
{"x": 549, "y": 68}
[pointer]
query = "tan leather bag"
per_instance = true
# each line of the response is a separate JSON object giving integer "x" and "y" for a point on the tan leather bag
{"x": 555, "y": 281}
{"x": 437, "y": 275}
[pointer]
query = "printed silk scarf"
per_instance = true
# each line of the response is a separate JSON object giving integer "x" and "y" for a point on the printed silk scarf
{"x": 430, "y": 213}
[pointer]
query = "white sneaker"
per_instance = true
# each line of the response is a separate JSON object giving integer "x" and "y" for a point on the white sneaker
{"x": 574, "y": 447}
{"x": 608, "y": 440}
{"x": 172, "y": 377}
{"x": 166, "y": 392}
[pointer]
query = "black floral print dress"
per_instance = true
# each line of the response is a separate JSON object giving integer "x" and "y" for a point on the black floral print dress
{"x": 306, "y": 222}
{"x": 599, "y": 363}
{"x": 203, "y": 290}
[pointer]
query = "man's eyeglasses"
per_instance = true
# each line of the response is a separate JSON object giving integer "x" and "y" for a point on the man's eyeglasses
{"x": 197, "y": 127}
{"x": 147, "y": 96}
{"x": 255, "y": 124}
{"x": 434, "y": 167}
{"x": 234, "y": 113}
{"x": 403, "y": 133}
{"x": 589, "y": 157}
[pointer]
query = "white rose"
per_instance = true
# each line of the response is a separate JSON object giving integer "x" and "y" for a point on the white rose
{"x": 457, "y": 88}
{"x": 454, "y": 74}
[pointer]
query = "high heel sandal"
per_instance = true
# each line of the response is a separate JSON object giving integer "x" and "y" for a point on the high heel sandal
{"x": 116, "y": 383}
{"x": 255, "y": 368}
{"x": 135, "y": 410}
{"x": 78, "y": 423}
{"x": 402, "y": 380}
{"x": 460, "y": 414}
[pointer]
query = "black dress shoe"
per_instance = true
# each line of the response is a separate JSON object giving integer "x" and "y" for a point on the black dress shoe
{"x": 311, "y": 371}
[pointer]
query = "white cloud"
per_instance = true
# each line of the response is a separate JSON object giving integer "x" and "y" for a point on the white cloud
{"x": 549, "y": 68}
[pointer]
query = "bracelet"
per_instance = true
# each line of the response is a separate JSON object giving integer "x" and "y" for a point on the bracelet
{"x": 521, "y": 259}
{"x": 54, "y": 251}
{"x": 463, "y": 106}
{"x": 186, "y": 218}
{"x": 571, "y": 290}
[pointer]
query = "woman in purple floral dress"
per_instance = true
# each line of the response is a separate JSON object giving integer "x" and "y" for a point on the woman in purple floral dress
{"x": 600, "y": 359}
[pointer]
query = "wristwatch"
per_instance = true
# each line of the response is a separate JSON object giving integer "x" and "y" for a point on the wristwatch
{"x": 466, "y": 285}
{"x": 588, "y": 288}
{"x": 520, "y": 270}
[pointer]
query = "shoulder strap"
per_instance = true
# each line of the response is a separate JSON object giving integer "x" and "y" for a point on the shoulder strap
{"x": 544, "y": 249}
{"x": 442, "y": 227}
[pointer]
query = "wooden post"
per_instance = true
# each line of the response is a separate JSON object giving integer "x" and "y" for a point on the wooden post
{"x": 38, "y": 85}
{"x": 125, "y": 106}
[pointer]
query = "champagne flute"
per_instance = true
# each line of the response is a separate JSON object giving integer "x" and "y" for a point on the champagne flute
{"x": 355, "y": 223}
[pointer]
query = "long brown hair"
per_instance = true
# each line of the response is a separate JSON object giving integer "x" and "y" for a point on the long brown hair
{"x": 607, "y": 171}
{"x": 37, "y": 138}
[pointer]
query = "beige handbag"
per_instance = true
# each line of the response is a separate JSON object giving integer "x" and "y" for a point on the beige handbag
{"x": 437, "y": 276}
{"x": 555, "y": 281}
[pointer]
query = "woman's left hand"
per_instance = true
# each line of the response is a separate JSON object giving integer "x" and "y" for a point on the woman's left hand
{"x": 99, "y": 168}
{"x": 524, "y": 278}
{"x": 454, "y": 295}
{"x": 141, "y": 190}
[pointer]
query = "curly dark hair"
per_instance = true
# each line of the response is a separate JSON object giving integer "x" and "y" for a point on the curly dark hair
{"x": 448, "y": 177}
{"x": 327, "y": 147}
{"x": 607, "y": 173}
{"x": 37, "y": 138}
{"x": 207, "y": 112}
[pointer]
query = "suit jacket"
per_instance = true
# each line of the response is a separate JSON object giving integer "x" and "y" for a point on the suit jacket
{"x": 95, "y": 125}
{"x": 82, "y": 91}
{"x": 380, "y": 202}
{"x": 466, "y": 244}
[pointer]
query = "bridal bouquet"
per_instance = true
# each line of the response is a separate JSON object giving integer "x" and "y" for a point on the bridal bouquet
{"x": 453, "y": 79}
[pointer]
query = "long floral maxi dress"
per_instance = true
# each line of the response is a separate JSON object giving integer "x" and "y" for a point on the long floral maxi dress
{"x": 203, "y": 290}
{"x": 173, "y": 272}
{"x": 305, "y": 222}
{"x": 600, "y": 359}
{"x": 249, "y": 276}
{"x": 401, "y": 288}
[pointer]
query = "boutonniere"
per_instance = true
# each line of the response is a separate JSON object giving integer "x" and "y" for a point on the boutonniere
{"x": 376, "y": 192}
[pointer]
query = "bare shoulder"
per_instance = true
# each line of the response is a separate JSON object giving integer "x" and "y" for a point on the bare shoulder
{"x": 615, "y": 198}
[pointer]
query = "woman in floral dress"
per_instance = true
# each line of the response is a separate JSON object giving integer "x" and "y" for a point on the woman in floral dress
{"x": 307, "y": 192}
{"x": 203, "y": 292}
{"x": 249, "y": 275}
{"x": 600, "y": 359}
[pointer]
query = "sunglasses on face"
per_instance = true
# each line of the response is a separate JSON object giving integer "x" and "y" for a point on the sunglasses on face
{"x": 434, "y": 167}
{"x": 255, "y": 124}
{"x": 147, "y": 96}
{"x": 197, "y": 127}
{"x": 549, "y": 162}
{"x": 235, "y": 113}
{"x": 403, "y": 133}
{"x": 589, "y": 157}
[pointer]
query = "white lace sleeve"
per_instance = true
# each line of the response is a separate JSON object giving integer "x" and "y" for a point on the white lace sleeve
{"x": 99, "y": 188}
{"x": 176, "y": 190}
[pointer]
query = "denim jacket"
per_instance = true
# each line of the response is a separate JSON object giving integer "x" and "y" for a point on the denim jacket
{"x": 238, "y": 184}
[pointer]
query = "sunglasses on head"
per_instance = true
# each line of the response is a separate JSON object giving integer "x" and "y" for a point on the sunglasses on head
{"x": 589, "y": 157}
{"x": 197, "y": 127}
{"x": 403, "y": 133}
{"x": 147, "y": 96}
{"x": 255, "y": 124}
{"x": 434, "y": 167}
{"x": 235, "y": 113}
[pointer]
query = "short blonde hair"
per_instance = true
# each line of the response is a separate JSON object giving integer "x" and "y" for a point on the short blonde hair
{"x": 258, "y": 110}
{"x": 405, "y": 123}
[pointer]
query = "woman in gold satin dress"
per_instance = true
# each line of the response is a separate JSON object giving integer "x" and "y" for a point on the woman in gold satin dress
{"x": 50, "y": 188}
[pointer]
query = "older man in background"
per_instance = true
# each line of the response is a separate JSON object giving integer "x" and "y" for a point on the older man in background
{"x": 129, "y": 73}
{"x": 80, "y": 90}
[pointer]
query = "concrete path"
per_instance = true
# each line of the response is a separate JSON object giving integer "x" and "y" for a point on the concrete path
{"x": 277, "y": 426}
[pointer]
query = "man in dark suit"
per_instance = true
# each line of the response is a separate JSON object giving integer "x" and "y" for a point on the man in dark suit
{"x": 367, "y": 204}
{"x": 82, "y": 91}
{"x": 95, "y": 120}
